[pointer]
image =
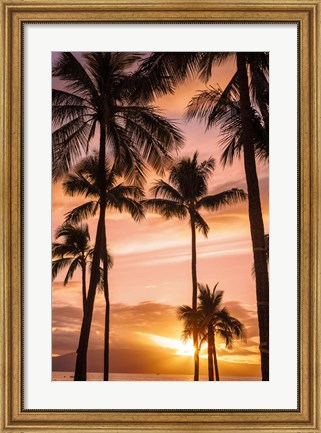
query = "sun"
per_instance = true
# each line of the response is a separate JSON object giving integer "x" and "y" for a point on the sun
{"x": 185, "y": 348}
{"x": 182, "y": 348}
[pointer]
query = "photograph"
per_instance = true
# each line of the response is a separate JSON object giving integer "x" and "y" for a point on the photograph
{"x": 160, "y": 216}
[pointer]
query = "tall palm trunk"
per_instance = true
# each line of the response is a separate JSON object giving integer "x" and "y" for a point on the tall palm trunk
{"x": 210, "y": 339}
{"x": 194, "y": 297}
{"x": 217, "y": 376}
{"x": 81, "y": 361}
{"x": 83, "y": 277}
{"x": 107, "y": 311}
{"x": 255, "y": 216}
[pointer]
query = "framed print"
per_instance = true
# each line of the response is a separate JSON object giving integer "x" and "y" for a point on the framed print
{"x": 159, "y": 216}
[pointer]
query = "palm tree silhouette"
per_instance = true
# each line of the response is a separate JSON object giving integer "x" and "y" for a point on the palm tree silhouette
{"x": 75, "y": 251}
{"x": 210, "y": 319}
{"x": 72, "y": 252}
{"x": 193, "y": 325}
{"x": 86, "y": 181}
{"x": 99, "y": 98}
{"x": 185, "y": 196}
{"x": 179, "y": 66}
{"x": 216, "y": 321}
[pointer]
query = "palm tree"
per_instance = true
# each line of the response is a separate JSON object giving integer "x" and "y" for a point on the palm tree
{"x": 216, "y": 321}
{"x": 98, "y": 100}
{"x": 86, "y": 181}
{"x": 183, "y": 197}
{"x": 179, "y": 66}
{"x": 72, "y": 252}
{"x": 210, "y": 319}
{"x": 75, "y": 251}
{"x": 193, "y": 320}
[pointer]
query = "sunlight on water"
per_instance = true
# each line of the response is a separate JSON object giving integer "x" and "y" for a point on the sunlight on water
{"x": 68, "y": 376}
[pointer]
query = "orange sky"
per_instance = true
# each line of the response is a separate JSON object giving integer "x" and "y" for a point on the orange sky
{"x": 152, "y": 270}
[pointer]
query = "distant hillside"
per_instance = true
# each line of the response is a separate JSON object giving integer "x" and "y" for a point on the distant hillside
{"x": 147, "y": 362}
{"x": 128, "y": 361}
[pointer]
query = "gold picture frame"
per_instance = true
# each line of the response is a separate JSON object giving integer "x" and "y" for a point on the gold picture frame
{"x": 14, "y": 14}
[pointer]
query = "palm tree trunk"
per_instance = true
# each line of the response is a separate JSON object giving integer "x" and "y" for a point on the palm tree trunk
{"x": 83, "y": 269}
{"x": 210, "y": 338}
{"x": 107, "y": 311}
{"x": 81, "y": 360}
{"x": 194, "y": 298}
{"x": 217, "y": 376}
{"x": 255, "y": 216}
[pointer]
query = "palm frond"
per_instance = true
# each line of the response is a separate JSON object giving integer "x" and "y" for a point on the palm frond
{"x": 200, "y": 224}
{"x": 229, "y": 327}
{"x": 216, "y": 106}
{"x": 206, "y": 167}
{"x": 261, "y": 136}
{"x": 77, "y": 184}
{"x": 61, "y": 97}
{"x": 232, "y": 147}
{"x": 101, "y": 281}
{"x": 224, "y": 332}
{"x": 58, "y": 265}
{"x": 110, "y": 259}
{"x": 156, "y": 136}
{"x": 215, "y": 202}
{"x": 259, "y": 83}
{"x": 61, "y": 250}
{"x": 81, "y": 212}
{"x": 167, "y": 208}
{"x": 161, "y": 72}
{"x": 130, "y": 191}
{"x": 166, "y": 191}
{"x": 67, "y": 107}
{"x": 70, "y": 273}
{"x": 88, "y": 169}
{"x": 201, "y": 105}
{"x": 127, "y": 158}
{"x": 69, "y": 142}
{"x": 208, "y": 60}
{"x": 69, "y": 69}
{"x": 123, "y": 203}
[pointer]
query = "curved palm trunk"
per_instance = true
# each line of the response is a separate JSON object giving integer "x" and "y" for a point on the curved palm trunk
{"x": 81, "y": 360}
{"x": 255, "y": 216}
{"x": 194, "y": 298}
{"x": 83, "y": 277}
{"x": 217, "y": 376}
{"x": 107, "y": 311}
{"x": 210, "y": 339}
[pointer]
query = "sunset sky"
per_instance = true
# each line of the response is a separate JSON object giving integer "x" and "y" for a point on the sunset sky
{"x": 151, "y": 276}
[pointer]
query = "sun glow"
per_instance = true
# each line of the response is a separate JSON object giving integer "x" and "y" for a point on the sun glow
{"x": 182, "y": 348}
{"x": 186, "y": 348}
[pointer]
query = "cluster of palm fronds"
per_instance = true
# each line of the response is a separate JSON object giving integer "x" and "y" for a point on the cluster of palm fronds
{"x": 109, "y": 96}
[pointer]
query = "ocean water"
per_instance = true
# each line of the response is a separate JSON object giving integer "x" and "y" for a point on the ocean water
{"x": 129, "y": 377}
